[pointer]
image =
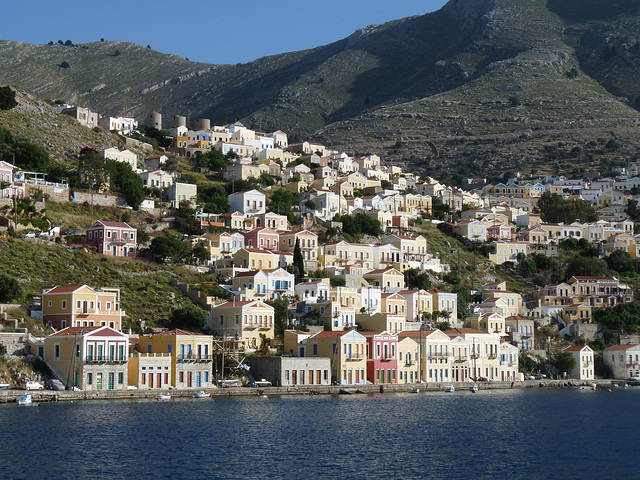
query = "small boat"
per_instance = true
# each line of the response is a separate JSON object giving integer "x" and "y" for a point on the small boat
{"x": 414, "y": 390}
{"x": 24, "y": 400}
{"x": 4, "y": 386}
{"x": 201, "y": 395}
{"x": 163, "y": 396}
{"x": 473, "y": 388}
{"x": 449, "y": 388}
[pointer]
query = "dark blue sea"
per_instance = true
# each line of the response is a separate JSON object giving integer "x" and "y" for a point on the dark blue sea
{"x": 501, "y": 434}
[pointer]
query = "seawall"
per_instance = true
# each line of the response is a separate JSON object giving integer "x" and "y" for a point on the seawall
{"x": 61, "y": 396}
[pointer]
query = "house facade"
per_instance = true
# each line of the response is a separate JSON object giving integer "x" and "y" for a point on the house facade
{"x": 81, "y": 306}
{"x": 115, "y": 239}
{"x": 89, "y": 358}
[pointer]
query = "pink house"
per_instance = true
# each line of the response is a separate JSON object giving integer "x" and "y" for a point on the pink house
{"x": 382, "y": 353}
{"x": 117, "y": 239}
{"x": 6, "y": 175}
{"x": 262, "y": 238}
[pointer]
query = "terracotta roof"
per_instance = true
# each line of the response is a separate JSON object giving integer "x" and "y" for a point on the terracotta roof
{"x": 622, "y": 347}
{"x": 576, "y": 348}
{"x": 237, "y": 303}
{"x": 65, "y": 289}
{"x": 177, "y": 331}
{"x": 415, "y": 333}
{"x": 462, "y": 331}
{"x": 330, "y": 334}
{"x": 113, "y": 224}
{"x": 74, "y": 331}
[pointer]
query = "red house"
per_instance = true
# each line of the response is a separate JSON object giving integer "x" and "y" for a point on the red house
{"x": 263, "y": 238}
{"x": 382, "y": 357}
{"x": 117, "y": 239}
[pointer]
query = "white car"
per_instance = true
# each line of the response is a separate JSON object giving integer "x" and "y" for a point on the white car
{"x": 633, "y": 379}
{"x": 33, "y": 386}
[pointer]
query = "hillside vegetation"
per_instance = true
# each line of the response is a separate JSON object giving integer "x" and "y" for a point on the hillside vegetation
{"x": 481, "y": 86}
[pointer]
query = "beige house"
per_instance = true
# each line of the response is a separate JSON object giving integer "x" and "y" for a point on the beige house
{"x": 408, "y": 360}
{"x": 583, "y": 355}
{"x": 124, "y": 156}
{"x": 249, "y": 322}
{"x": 623, "y": 361}
{"x": 89, "y": 358}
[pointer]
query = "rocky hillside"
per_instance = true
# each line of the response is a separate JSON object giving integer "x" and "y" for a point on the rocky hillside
{"x": 479, "y": 87}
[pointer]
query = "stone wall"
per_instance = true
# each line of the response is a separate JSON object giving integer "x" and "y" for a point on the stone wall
{"x": 15, "y": 343}
{"x": 55, "y": 193}
{"x": 100, "y": 199}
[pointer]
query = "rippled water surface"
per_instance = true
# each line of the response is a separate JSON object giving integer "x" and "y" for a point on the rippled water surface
{"x": 532, "y": 433}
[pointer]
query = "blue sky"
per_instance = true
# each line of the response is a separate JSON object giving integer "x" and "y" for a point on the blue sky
{"x": 207, "y": 31}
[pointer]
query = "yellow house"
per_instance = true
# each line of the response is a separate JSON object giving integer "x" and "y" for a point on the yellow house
{"x": 490, "y": 323}
{"x": 81, "y": 306}
{"x": 191, "y": 359}
{"x": 576, "y": 313}
{"x": 249, "y": 322}
{"x": 408, "y": 355}
{"x": 507, "y": 252}
{"x": 393, "y": 303}
{"x": 380, "y": 322}
{"x": 347, "y": 351}
{"x": 89, "y": 358}
{"x": 257, "y": 259}
{"x": 385, "y": 278}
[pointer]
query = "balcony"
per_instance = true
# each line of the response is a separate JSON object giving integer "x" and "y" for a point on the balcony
{"x": 387, "y": 358}
{"x": 460, "y": 359}
{"x": 354, "y": 358}
{"x": 104, "y": 359}
{"x": 193, "y": 357}
{"x": 438, "y": 355}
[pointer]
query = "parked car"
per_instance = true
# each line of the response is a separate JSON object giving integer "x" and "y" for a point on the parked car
{"x": 29, "y": 235}
{"x": 540, "y": 376}
{"x": 230, "y": 383}
{"x": 633, "y": 379}
{"x": 528, "y": 376}
{"x": 32, "y": 386}
{"x": 261, "y": 383}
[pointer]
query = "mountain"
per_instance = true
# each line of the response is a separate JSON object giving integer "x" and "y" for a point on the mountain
{"x": 481, "y": 87}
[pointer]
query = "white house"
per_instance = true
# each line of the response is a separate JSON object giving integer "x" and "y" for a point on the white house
{"x": 251, "y": 202}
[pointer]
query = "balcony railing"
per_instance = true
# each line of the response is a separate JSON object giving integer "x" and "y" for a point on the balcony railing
{"x": 354, "y": 358}
{"x": 438, "y": 355}
{"x": 103, "y": 359}
{"x": 193, "y": 357}
{"x": 460, "y": 359}
{"x": 387, "y": 358}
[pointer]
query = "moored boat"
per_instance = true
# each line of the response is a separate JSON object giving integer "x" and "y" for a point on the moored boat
{"x": 4, "y": 386}
{"x": 473, "y": 388}
{"x": 163, "y": 396}
{"x": 449, "y": 388}
{"x": 201, "y": 395}
{"x": 24, "y": 399}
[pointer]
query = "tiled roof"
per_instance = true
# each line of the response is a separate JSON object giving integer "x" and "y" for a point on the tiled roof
{"x": 74, "y": 331}
{"x": 65, "y": 289}
{"x": 622, "y": 347}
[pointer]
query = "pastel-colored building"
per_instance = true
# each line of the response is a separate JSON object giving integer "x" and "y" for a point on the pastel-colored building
{"x": 584, "y": 368}
{"x": 115, "y": 239}
{"x": 89, "y": 358}
{"x": 81, "y": 306}
{"x": 382, "y": 359}
{"x": 623, "y": 361}
{"x": 191, "y": 359}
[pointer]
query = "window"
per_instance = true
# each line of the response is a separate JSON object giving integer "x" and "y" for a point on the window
{"x": 56, "y": 351}
{"x": 64, "y": 304}
{"x": 89, "y": 378}
{"x": 120, "y": 378}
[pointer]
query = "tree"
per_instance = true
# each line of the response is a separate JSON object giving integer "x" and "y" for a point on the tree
{"x": 64, "y": 64}
{"x": 68, "y": 43}
{"x": 201, "y": 254}
{"x": 565, "y": 362}
{"x": 143, "y": 236}
{"x": 553, "y": 208}
{"x": 169, "y": 248}
{"x": 189, "y": 318}
{"x": 620, "y": 261}
{"x": 9, "y": 288}
{"x": 7, "y": 98}
{"x": 298, "y": 260}
{"x": 415, "y": 278}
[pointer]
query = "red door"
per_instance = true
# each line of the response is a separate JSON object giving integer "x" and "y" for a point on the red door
{"x": 159, "y": 380}
{"x": 188, "y": 379}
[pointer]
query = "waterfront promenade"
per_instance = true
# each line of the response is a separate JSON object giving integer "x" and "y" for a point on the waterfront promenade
{"x": 7, "y": 396}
